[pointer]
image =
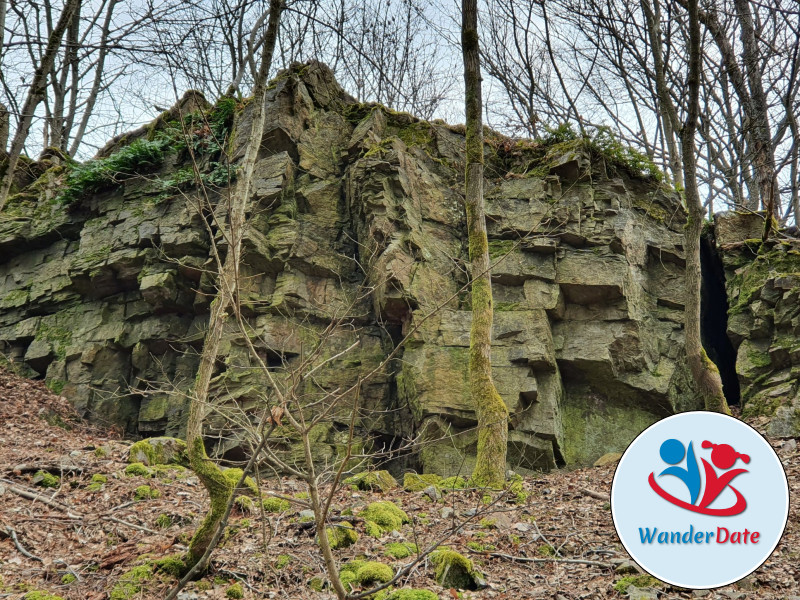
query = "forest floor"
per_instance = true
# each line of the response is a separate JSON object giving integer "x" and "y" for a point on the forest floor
{"x": 76, "y": 540}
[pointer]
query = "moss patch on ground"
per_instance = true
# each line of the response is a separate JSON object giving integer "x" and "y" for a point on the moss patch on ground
{"x": 383, "y": 517}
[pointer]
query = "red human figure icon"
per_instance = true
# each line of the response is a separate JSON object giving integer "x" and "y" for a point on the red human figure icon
{"x": 724, "y": 457}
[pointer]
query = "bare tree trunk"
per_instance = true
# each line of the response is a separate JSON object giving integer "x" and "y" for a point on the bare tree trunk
{"x": 704, "y": 372}
{"x": 490, "y": 409}
{"x": 35, "y": 95}
{"x": 764, "y": 156}
{"x": 218, "y": 487}
{"x": 91, "y": 99}
{"x": 667, "y": 111}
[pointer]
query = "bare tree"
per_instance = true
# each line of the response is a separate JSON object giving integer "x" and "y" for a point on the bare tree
{"x": 218, "y": 487}
{"x": 35, "y": 96}
{"x": 490, "y": 410}
{"x": 706, "y": 376}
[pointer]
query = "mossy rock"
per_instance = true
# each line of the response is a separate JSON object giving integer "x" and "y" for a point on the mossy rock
{"x": 132, "y": 582}
{"x": 373, "y": 481}
{"x": 159, "y": 451}
{"x": 145, "y": 492}
{"x": 365, "y": 573}
{"x": 454, "y": 570}
{"x": 341, "y": 536}
{"x": 400, "y": 550}
{"x": 46, "y": 480}
{"x": 414, "y": 482}
{"x": 37, "y": 595}
{"x": 383, "y": 517}
{"x": 275, "y": 505}
{"x": 235, "y": 591}
{"x": 138, "y": 469}
{"x": 638, "y": 581}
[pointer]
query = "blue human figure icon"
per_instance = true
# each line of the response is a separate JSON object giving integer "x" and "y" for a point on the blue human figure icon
{"x": 672, "y": 452}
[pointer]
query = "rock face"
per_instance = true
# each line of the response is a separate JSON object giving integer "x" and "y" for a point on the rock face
{"x": 764, "y": 320}
{"x": 357, "y": 216}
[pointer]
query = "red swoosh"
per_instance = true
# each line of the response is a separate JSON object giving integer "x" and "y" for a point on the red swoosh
{"x": 737, "y": 508}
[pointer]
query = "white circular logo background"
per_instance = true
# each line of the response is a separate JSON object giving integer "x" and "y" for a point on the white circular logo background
{"x": 699, "y": 500}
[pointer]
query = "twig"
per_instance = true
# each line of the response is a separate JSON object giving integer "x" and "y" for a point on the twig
{"x": 573, "y": 561}
{"x": 593, "y": 494}
{"x": 49, "y": 467}
{"x": 129, "y": 524}
{"x": 348, "y": 518}
{"x": 22, "y": 550}
{"x": 44, "y": 500}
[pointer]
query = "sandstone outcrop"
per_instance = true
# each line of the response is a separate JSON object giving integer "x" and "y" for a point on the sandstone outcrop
{"x": 357, "y": 215}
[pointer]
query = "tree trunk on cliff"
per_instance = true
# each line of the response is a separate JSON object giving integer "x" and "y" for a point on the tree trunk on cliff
{"x": 36, "y": 93}
{"x": 704, "y": 372}
{"x": 218, "y": 487}
{"x": 490, "y": 409}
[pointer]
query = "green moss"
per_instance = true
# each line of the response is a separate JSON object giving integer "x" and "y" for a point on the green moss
{"x": 400, "y": 550}
{"x": 317, "y": 584}
{"x": 57, "y": 336}
{"x": 413, "y": 482}
{"x": 234, "y": 475}
{"x": 506, "y": 306}
{"x": 546, "y": 550}
{"x": 385, "y": 517}
{"x": 219, "y": 488}
{"x": 478, "y": 547}
{"x": 100, "y": 452}
{"x": 159, "y": 451}
{"x": 68, "y": 579}
{"x": 203, "y": 585}
{"x": 453, "y": 483}
{"x": 275, "y": 505}
{"x": 453, "y": 570}
{"x": 759, "y": 359}
{"x": 517, "y": 490}
{"x": 97, "y": 482}
{"x": 750, "y": 278}
{"x": 131, "y": 583}
{"x": 37, "y": 595}
{"x": 639, "y": 581}
{"x": 145, "y": 492}
{"x": 373, "y": 572}
{"x": 487, "y": 523}
{"x": 235, "y": 591}
{"x": 282, "y": 561}
{"x": 341, "y": 536}
{"x": 415, "y": 134}
{"x": 372, "y": 529}
{"x": 244, "y": 503}
{"x": 372, "y": 481}
{"x": 169, "y": 471}
{"x": 138, "y": 470}
{"x": 163, "y": 521}
{"x": 173, "y": 566}
{"x": 141, "y": 156}
{"x": 55, "y": 385}
{"x": 406, "y": 594}
{"x": 46, "y": 480}
{"x": 500, "y": 248}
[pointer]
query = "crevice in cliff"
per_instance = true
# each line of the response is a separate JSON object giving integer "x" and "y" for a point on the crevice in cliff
{"x": 714, "y": 318}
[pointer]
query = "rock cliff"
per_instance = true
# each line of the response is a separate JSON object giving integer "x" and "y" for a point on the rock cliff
{"x": 763, "y": 289}
{"x": 357, "y": 215}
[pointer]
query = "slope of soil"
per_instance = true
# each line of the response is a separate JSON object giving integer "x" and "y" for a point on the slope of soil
{"x": 76, "y": 540}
